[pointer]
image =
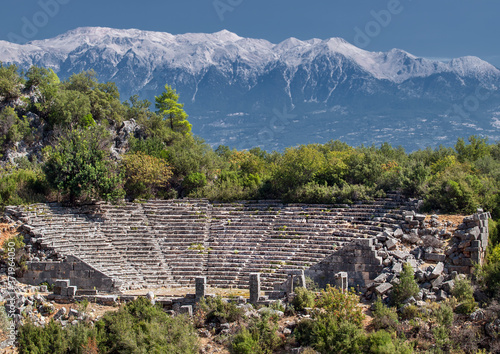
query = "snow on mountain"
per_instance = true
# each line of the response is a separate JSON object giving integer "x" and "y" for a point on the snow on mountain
{"x": 219, "y": 74}
{"x": 198, "y": 51}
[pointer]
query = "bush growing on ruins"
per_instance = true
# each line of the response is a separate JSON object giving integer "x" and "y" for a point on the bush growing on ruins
{"x": 244, "y": 343}
{"x": 44, "y": 340}
{"x": 407, "y": 286}
{"x": 217, "y": 308}
{"x": 303, "y": 298}
{"x": 444, "y": 315}
{"x": 488, "y": 275}
{"x": 384, "y": 317}
{"x": 464, "y": 293}
{"x": 260, "y": 337}
{"x": 341, "y": 305}
{"x": 329, "y": 334}
{"x": 382, "y": 342}
{"x": 140, "y": 327}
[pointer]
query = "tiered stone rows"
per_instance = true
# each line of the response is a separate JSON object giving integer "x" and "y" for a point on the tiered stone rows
{"x": 129, "y": 232}
{"x": 72, "y": 232}
{"x": 180, "y": 229}
{"x": 160, "y": 243}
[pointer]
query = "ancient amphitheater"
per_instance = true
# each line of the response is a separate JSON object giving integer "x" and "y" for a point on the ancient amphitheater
{"x": 170, "y": 243}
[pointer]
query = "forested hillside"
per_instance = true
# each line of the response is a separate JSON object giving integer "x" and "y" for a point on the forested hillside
{"x": 77, "y": 141}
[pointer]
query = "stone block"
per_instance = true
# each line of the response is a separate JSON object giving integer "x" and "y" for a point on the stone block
{"x": 383, "y": 288}
{"x": 419, "y": 217}
{"x": 200, "y": 287}
{"x": 398, "y": 233}
{"x": 435, "y": 257}
{"x": 397, "y": 268}
{"x": 436, "y": 283}
{"x": 71, "y": 291}
{"x": 448, "y": 286}
{"x": 254, "y": 287}
{"x": 186, "y": 309}
{"x": 366, "y": 242}
{"x": 390, "y": 244}
{"x": 63, "y": 283}
{"x": 438, "y": 270}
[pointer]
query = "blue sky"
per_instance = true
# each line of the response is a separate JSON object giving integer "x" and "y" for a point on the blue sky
{"x": 429, "y": 28}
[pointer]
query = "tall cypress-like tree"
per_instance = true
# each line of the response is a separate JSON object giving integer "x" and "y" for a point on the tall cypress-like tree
{"x": 168, "y": 105}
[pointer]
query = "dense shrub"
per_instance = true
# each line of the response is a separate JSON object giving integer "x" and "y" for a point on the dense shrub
{"x": 382, "y": 342}
{"x": 244, "y": 343}
{"x": 22, "y": 186}
{"x": 80, "y": 166}
{"x": 44, "y": 340}
{"x": 329, "y": 334}
{"x": 12, "y": 128}
{"x": 464, "y": 293}
{"x": 145, "y": 176}
{"x": 217, "y": 308}
{"x": 261, "y": 337}
{"x": 11, "y": 82}
{"x": 384, "y": 317}
{"x": 140, "y": 327}
{"x": 303, "y": 298}
{"x": 444, "y": 315}
{"x": 341, "y": 305}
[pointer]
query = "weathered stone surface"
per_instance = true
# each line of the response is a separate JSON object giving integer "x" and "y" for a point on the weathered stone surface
{"x": 383, "y": 288}
{"x": 186, "y": 309}
{"x": 438, "y": 269}
{"x": 397, "y": 268}
{"x": 398, "y": 233}
{"x": 390, "y": 244}
{"x": 434, "y": 257}
{"x": 448, "y": 286}
{"x": 436, "y": 283}
{"x": 254, "y": 287}
{"x": 61, "y": 313}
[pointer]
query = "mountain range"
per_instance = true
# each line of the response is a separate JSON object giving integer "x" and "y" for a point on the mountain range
{"x": 245, "y": 92}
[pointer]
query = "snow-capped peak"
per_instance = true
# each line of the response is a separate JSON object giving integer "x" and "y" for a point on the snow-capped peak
{"x": 196, "y": 52}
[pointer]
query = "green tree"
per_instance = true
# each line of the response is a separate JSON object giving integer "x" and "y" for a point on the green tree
{"x": 477, "y": 148}
{"x": 407, "y": 286}
{"x": 168, "y": 105}
{"x": 12, "y": 129}
{"x": 69, "y": 108}
{"x": 79, "y": 166}
{"x": 45, "y": 84}
{"x": 297, "y": 167}
{"x": 11, "y": 83}
{"x": 145, "y": 175}
{"x": 104, "y": 98}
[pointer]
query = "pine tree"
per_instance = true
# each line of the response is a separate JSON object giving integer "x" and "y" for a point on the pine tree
{"x": 168, "y": 105}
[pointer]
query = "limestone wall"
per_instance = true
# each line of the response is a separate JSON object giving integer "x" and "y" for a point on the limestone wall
{"x": 359, "y": 260}
{"x": 79, "y": 273}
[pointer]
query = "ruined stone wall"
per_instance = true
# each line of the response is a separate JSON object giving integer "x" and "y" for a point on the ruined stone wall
{"x": 79, "y": 273}
{"x": 359, "y": 260}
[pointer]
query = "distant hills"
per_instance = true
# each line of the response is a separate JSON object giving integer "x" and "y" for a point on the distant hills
{"x": 246, "y": 92}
